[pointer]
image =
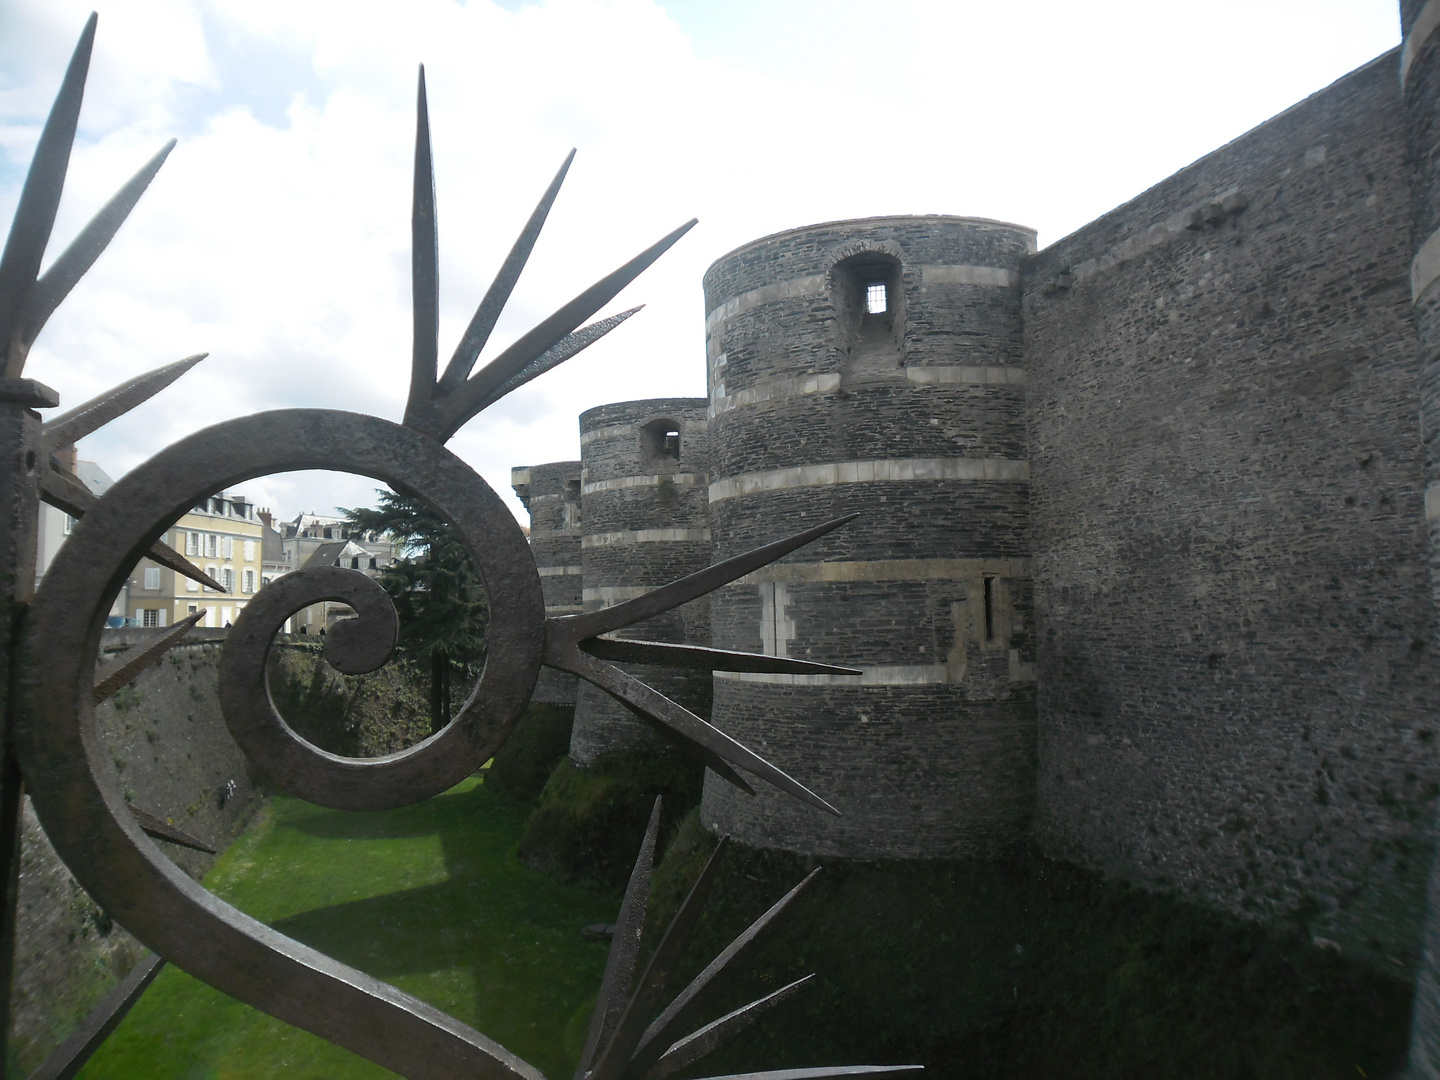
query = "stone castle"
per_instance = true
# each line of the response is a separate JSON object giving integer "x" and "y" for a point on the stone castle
{"x": 1143, "y": 576}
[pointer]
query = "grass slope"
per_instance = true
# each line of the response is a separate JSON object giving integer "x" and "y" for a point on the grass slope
{"x": 428, "y": 897}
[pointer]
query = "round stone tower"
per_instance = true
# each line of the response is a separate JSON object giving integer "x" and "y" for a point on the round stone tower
{"x": 551, "y": 493}
{"x": 643, "y": 490}
{"x": 875, "y": 366}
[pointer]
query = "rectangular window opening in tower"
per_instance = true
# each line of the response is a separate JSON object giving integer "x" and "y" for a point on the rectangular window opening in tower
{"x": 875, "y": 298}
{"x": 989, "y": 609}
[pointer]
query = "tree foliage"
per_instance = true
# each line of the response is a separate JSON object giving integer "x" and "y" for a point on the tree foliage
{"x": 436, "y": 588}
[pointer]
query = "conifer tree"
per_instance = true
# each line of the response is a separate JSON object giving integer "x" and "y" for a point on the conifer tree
{"x": 436, "y": 589}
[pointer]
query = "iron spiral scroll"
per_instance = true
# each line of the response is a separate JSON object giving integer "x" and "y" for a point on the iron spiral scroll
{"x": 107, "y": 844}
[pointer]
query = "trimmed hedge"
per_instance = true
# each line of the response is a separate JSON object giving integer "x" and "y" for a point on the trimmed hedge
{"x": 590, "y": 822}
{"x": 541, "y": 740}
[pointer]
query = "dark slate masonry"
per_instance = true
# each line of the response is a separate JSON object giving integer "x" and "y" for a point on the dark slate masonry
{"x": 875, "y": 366}
{"x": 1150, "y": 537}
{"x": 1420, "y": 88}
{"x": 552, "y": 495}
{"x": 643, "y": 490}
{"x": 1237, "y": 677}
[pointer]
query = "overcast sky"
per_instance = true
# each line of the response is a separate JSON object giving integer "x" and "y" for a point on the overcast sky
{"x": 277, "y": 236}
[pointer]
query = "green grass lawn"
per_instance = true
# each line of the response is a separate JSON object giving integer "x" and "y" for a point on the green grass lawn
{"x": 428, "y": 897}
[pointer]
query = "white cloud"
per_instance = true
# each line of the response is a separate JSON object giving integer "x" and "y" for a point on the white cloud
{"x": 277, "y": 237}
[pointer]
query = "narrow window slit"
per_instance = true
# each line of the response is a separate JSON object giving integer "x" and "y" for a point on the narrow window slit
{"x": 875, "y": 298}
{"x": 989, "y": 609}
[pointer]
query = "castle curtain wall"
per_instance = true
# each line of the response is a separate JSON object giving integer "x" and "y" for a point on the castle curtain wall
{"x": 1230, "y": 556}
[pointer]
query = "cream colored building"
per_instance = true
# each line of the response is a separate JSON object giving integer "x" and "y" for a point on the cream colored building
{"x": 222, "y": 536}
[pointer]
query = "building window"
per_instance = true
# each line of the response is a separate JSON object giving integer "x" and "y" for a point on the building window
{"x": 152, "y": 577}
{"x": 249, "y": 550}
{"x": 211, "y": 545}
{"x": 249, "y": 581}
{"x": 69, "y": 524}
{"x": 150, "y": 617}
{"x": 989, "y": 609}
{"x": 228, "y": 579}
{"x": 875, "y": 298}
{"x": 192, "y": 543}
{"x": 191, "y": 585}
{"x": 372, "y": 563}
{"x": 660, "y": 443}
{"x": 191, "y": 610}
{"x": 354, "y": 562}
{"x": 229, "y": 548}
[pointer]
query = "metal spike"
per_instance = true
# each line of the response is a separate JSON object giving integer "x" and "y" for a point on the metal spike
{"x": 549, "y": 333}
{"x": 70, "y": 1056}
{"x": 659, "y": 709}
{"x": 624, "y": 947}
{"x": 681, "y": 1012}
{"x": 483, "y": 321}
{"x": 168, "y": 557}
{"x": 164, "y": 641}
{"x": 694, "y": 585}
{"x": 712, "y": 1036}
{"x": 65, "y": 492}
{"x": 822, "y": 1073}
{"x": 116, "y": 402}
{"x": 665, "y": 654}
{"x": 163, "y": 830}
{"x": 55, "y": 284}
{"x": 424, "y": 272}
{"x": 569, "y": 346}
{"x": 712, "y": 761}
{"x": 39, "y": 199}
{"x": 647, "y": 996}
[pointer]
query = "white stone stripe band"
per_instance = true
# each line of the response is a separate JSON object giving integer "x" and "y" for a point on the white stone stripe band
{"x": 969, "y": 275}
{"x": 645, "y": 536}
{"x": 632, "y": 429}
{"x": 1432, "y": 502}
{"x": 1425, "y": 267}
{"x": 1424, "y": 26}
{"x": 620, "y": 483}
{"x": 773, "y": 390}
{"x": 968, "y": 375}
{"x": 817, "y": 284}
{"x": 564, "y": 609}
{"x": 558, "y": 571}
{"x": 890, "y": 570}
{"x": 881, "y": 675}
{"x": 865, "y": 472}
{"x": 609, "y": 595}
{"x": 779, "y": 389}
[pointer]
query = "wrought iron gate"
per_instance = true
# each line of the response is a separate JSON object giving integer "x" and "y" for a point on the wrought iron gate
{"x": 51, "y": 640}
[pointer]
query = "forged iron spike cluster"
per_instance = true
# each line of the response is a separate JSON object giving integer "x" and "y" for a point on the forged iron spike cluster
{"x": 440, "y": 407}
{"x": 568, "y": 346}
{"x": 573, "y": 644}
{"x": 488, "y": 313}
{"x": 622, "y": 1045}
{"x": 98, "y": 832}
